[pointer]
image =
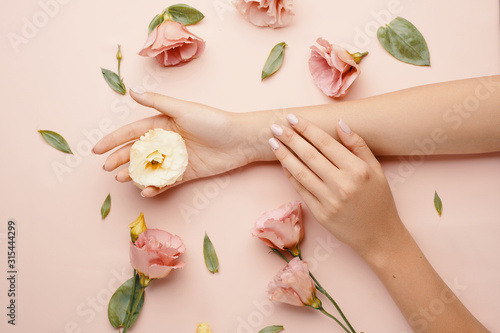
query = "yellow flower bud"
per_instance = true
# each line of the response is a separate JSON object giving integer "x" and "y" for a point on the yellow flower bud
{"x": 203, "y": 328}
{"x": 137, "y": 227}
{"x": 119, "y": 53}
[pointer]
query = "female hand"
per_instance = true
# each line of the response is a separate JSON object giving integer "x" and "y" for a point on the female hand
{"x": 214, "y": 140}
{"x": 343, "y": 185}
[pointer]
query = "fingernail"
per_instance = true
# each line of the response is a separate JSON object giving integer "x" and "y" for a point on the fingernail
{"x": 274, "y": 143}
{"x": 292, "y": 119}
{"x": 344, "y": 127}
{"x": 116, "y": 177}
{"x": 104, "y": 166}
{"x": 138, "y": 90}
{"x": 142, "y": 195}
{"x": 276, "y": 129}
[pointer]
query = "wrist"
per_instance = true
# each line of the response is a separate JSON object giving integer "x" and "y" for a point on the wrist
{"x": 253, "y": 131}
{"x": 395, "y": 243}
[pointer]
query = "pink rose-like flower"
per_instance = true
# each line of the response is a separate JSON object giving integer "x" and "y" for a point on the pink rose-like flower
{"x": 266, "y": 13}
{"x": 156, "y": 253}
{"x": 282, "y": 227}
{"x": 293, "y": 285}
{"x": 172, "y": 44}
{"x": 333, "y": 68}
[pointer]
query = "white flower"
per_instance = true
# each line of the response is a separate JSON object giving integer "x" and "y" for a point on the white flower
{"x": 158, "y": 158}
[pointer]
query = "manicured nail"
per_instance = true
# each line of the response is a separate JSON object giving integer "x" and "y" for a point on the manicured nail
{"x": 142, "y": 195}
{"x": 276, "y": 129}
{"x": 274, "y": 143}
{"x": 344, "y": 127}
{"x": 138, "y": 90}
{"x": 104, "y": 166}
{"x": 292, "y": 119}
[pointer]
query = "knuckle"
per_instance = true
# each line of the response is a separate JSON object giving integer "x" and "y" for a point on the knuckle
{"x": 310, "y": 155}
{"x": 301, "y": 176}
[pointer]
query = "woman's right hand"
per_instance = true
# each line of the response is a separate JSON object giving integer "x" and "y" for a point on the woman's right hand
{"x": 214, "y": 138}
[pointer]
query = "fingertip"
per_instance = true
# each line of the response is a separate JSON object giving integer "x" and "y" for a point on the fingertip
{"x": 344, "y": 127}
{"x": 137, "y": 90}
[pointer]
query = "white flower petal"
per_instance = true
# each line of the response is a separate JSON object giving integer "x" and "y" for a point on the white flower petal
{"x": 158, "y": 158}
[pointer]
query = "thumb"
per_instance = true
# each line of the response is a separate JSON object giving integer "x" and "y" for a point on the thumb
{"x": 355, "y": 143}
{"x": 169, "y": 106}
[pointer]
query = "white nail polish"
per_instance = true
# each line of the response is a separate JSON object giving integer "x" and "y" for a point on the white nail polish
{"x": 292, "y": 119}
{"x": 276, "y": 129}
{"x": 344, "y": 127}
{"x": 138, "y": 90}
{"x": 274, "y": 143}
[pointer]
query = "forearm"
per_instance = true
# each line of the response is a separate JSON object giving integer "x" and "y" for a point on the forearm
{"x": 456, "y": 117}
{"x": 427, "y": 303}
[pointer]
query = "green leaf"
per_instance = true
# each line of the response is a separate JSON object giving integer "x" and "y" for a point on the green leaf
{"x": 274, "y": 61}
{"x": 211, "y": 260}
{"x": 184, "y": 14}
{"x": 114, "y": 81}
{"x": 272, "y": 329}
{"x": 56, "y": 141}
{"x": 437, "y": 203}
{"x": 120, "y": 301}
{"x": 403, "y": 40}
{"x": 106, "y": 206}
{"x": 156, "y": 21}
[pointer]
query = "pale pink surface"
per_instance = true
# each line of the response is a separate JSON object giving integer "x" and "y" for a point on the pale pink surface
{"x": 70, "y": 262}
{"x": 293, "y": 285}
{"x": 172, "y": 44}
{"x": 156, "y": 252}
{"x": 333, "y": 68}
{"x": 281, "y": 228}
{"x": 266, "y": 13}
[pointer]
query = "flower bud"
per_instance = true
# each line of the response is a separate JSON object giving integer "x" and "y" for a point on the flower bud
{"x": 137, "y": 227}
{"x": 203, "y": 328}
{"x": 119, "y": 53}
{"x": 358, "y": 56}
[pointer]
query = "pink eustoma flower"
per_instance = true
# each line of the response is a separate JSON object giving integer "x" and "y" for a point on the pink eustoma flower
{"x": 266, "y": 13}
{"x": 293, "y": 285}
{"x": 282, "y": 227}
{"x": 333, "y": 68}
{"x": 172, "y": 44}
{"x": 155, "y": 253}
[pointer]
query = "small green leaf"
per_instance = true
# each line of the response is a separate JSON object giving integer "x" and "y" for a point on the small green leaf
{"x": 114, "y": 81}
{"x": 184, "y": 14}
{"x": 274, "y": 61}
{"x": 211, "y": 260}
{"x": 437, "y": 203}
{"x": 106, "y": 206}
{"x": 120, "y": 301}
{"x": 272, "y": 329}
{"x": 156, "y": 21}
{"x": 403, "y": 40}
{"x": 56, "y": 141}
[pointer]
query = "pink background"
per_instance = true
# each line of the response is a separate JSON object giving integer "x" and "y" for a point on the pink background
{"x": 70, "y": 262}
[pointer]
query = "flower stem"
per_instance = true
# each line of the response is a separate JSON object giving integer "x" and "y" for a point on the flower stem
{"x": 329, "y": 315}
{"x": 119, "y": 57}
{"x": 324, "y": 292}
{"x": 280, "y": 254}
{"x": 131, "y": 314}
{"x": 130, "y": 304}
